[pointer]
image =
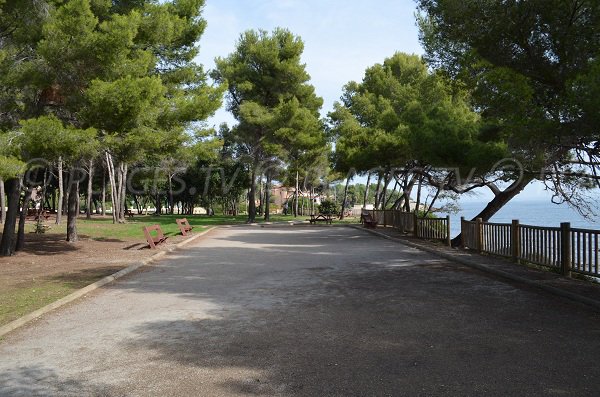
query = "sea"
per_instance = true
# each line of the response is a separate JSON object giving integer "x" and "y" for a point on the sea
{"x": 529, "y": 212}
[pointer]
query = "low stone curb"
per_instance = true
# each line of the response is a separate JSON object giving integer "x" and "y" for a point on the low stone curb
{"x": 553, "y": 290}
{"x": 5, "y": 329}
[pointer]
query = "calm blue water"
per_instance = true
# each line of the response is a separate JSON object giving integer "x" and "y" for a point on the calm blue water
{"x": 539, "y": 213}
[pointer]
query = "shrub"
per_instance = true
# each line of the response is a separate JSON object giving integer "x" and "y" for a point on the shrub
{"x": 328, "y": 207}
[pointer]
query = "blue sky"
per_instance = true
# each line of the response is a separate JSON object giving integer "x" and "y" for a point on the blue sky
{"x": 341, "y": 39}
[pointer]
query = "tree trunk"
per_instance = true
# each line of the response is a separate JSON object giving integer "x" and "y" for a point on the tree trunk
{"x": 344, "y": 200}
{"x": 367, "y": 187}
{"x": 387, "y": 178}
{"x": 2, "y": 202}
{"x": 13, "y": 191}
{"x": 377, "y": 190}
{"x": 158, "y": 204}
{"x": 21, "y": 230}
{"x": 252, "y": 195}
{"x": 122, "y": 191}
{"x": 171, "y": 203}
{"x": 103, "y": 192}
{"x": 113, "y": 187}
{"x": 261, "y": 199}
{"x": 88, "y": 210}
{"x": 268, "y": 198}
{"x": 26, "y": 200}
{"x": 296, "y": 195}
{"x": 418, "y": 203}
{"x": 61, "y": 192}
{"x": 496, "y": 204}
{"x": 41, "y": 209}
{"x": 389, "y": 197}
{"x": 65, "y": 196}
{"x": 73, "y": 207}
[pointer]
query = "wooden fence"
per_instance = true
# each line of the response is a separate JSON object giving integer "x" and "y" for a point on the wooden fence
{"x": 408, "y": 222}
{"x": 564, "y": 248}
{"x": 567, "y": 249}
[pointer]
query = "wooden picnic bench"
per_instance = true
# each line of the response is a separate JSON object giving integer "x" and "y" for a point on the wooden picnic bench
{"x": 368, "y": 220}
{"x": 129, "y": 213}
{"x": 184, "y": 226}
{"x": 154, "y": 241}
{"x": 321, "y": 218}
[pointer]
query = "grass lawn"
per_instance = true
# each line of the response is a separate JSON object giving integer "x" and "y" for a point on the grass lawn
{"x": 99, "y": 228}
{"x": 26, "y": 297}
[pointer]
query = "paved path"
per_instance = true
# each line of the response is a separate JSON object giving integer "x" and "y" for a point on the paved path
{"x": 311, "y": 311}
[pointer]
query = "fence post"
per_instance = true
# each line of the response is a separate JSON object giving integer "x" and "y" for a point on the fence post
{"x": 515, "y": 239}
{"x": 384, "y": 218}
{"x": 416, "y": 228}
{"x": 479, "y": 235}
{"x": 448, "y": 239}
{"x": 463, "y": 231}
{"x": 565, "y": 248}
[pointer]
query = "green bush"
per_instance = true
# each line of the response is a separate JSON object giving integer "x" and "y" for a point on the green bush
{"x": 328, "y": 207}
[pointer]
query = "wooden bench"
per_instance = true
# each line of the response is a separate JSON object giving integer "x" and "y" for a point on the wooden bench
{"x": 368, "y": 220}
{"x": 129, "y": 213}
{"x": 154, "y": 241}
{"x": 321, "y": 218}
{"x": 184, "y": 226}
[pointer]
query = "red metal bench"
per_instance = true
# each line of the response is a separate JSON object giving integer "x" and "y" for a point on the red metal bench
{"x": 154, "y": 241}
{"x": 184, "y": 226}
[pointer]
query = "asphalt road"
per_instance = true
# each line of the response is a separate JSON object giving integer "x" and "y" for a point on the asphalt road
{"x": 306, "y": 311}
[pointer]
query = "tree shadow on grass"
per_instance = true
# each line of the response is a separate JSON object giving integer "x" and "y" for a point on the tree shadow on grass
{"x": 84, "y": 277}
{"x": 106, "y": 239}
{"x": 47, "y": 244}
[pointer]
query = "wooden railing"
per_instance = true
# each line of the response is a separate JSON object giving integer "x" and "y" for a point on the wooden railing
{"x": 584, "y": 251}
{"x": 408, "y": 222}
{"x": 564, "y": 248}
{"x": 569, "y": 250}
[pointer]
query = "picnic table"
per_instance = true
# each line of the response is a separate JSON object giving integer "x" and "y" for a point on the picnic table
{"x": 321, "y": 218}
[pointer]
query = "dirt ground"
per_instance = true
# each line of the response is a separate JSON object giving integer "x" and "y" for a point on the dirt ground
{"x": 50, "y": 268}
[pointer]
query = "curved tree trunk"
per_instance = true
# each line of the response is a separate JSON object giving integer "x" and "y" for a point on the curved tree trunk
{"x": 496, "y": 204}
{"x": 13, "y": 191}
{"x": 345, "y": 199}
{"x": 367, "y": 187}
{"x": 377, "y": 190}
